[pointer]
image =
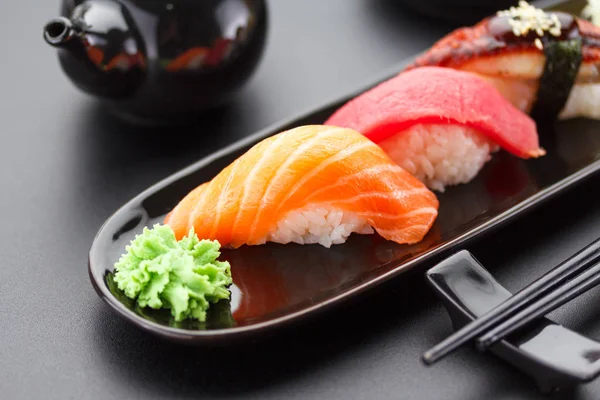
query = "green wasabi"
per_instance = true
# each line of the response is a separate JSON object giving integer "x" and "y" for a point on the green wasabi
{"x": 183, "y": 276}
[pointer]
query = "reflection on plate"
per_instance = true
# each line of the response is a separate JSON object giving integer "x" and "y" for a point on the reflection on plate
{"x": 218, "y": 316}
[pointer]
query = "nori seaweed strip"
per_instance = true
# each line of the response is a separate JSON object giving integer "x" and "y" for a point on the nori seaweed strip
{"x": 563, "y": 59}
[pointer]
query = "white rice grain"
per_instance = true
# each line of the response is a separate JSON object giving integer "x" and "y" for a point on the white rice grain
{"x": 592, "y": 11}
{"x": 584, "y": 102}
{"x": 324, "y": 225}
{"x": 440, "y": 155}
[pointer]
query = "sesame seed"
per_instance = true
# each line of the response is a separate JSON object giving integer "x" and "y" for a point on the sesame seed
{"x": 538, "y": 43}
{"x": 526, "y": 18}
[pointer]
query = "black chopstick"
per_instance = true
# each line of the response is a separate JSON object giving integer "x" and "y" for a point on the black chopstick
{"x": 570, "y": 267}
{"x": 541, "y": 307}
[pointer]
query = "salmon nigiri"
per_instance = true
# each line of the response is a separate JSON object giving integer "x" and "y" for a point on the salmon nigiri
{"x": 440, "y": 124}
{"x": 312, "y": 184}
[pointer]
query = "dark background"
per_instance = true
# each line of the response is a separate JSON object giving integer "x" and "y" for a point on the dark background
{"x": 65, "y": 166}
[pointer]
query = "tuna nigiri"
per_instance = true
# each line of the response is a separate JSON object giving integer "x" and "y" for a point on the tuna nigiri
{"x": 546, "y": 63}
{"x": 312, "y": 184}
{"x": 439, "y": 124}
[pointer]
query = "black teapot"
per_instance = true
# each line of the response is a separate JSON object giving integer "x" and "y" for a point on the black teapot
{"x": 159, "y": 61}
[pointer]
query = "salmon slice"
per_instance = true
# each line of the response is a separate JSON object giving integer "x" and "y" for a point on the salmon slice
{"x": 310, "y": 165}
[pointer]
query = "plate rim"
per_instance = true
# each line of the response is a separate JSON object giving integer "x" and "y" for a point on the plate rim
{"x": 184, "y": 335}
{"x": 210, "y": 336}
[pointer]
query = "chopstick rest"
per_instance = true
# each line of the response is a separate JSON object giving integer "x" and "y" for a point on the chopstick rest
{"x": 545, "y": 285}
{"x": 468, "y": 290}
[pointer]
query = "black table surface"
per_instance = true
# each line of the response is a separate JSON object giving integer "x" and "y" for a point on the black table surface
{"x": 66, "y": 166}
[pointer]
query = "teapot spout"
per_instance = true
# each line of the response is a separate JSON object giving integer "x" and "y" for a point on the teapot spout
{"x": 58, "y": 31}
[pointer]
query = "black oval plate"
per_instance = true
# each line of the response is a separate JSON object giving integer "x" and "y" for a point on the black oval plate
{"x": 277, "y": 284}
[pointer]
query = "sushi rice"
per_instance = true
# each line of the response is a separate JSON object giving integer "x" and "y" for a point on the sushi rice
{"x": 584, "y": 102}
{"x": 320, "y": 224}
{"x": 440, "y": 155}
{"x": 592, "y": 11}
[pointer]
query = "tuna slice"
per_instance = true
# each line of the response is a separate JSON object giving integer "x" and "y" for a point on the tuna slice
{"x": 439, "y": 96}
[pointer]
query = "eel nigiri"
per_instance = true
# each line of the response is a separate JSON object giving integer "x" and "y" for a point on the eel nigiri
{"x": 312, "y": 184}
{"x": 544, "y": 63}
{"x": 439, "y": 124}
